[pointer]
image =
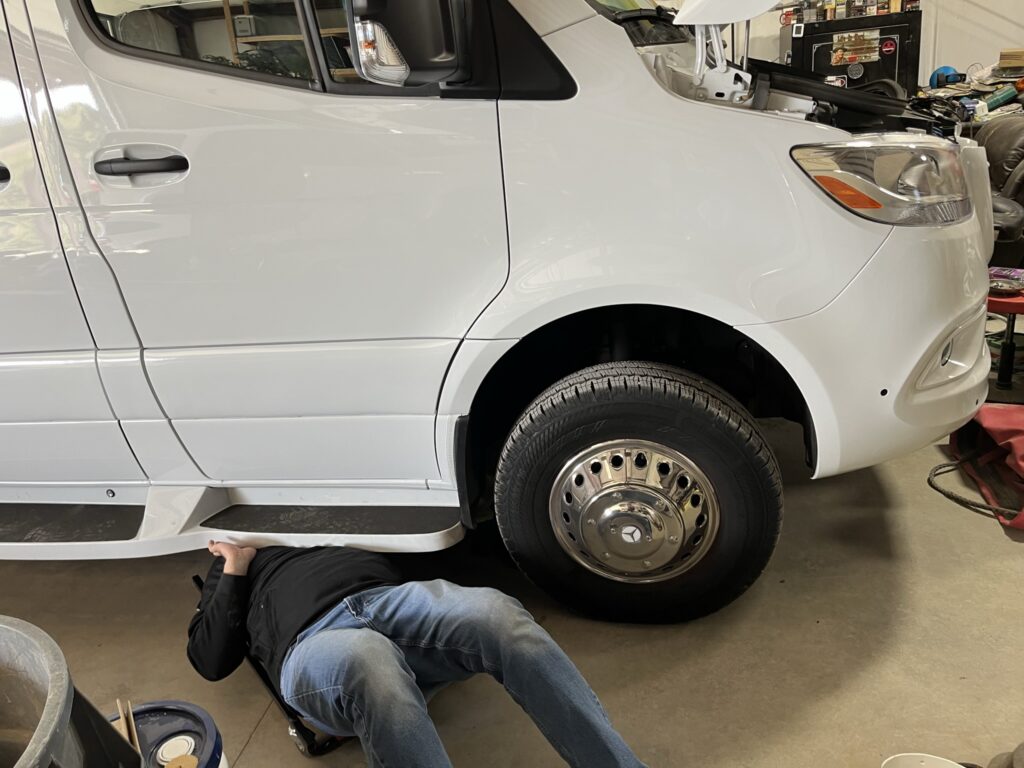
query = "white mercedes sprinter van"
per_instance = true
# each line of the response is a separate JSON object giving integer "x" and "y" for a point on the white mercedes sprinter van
{"x": 369, "y": 272}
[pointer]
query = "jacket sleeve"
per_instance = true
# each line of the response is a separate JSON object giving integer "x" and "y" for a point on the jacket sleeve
{"x": 217, "y": 637}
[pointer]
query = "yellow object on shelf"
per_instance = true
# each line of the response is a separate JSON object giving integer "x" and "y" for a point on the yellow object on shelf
{"x": 1011, "y": 58}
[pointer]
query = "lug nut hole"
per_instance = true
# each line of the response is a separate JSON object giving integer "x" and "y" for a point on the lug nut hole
{"x": 617, "y": 461}
{"x": 571, "y": 535}
{"x": 568, "y": 497}
{"x": 695, "y": 500}
{"x": 701, "y": 520}
{"x": 640, "y": 460}
{"x": 696, "y": 539}
{"x": 566, "y": 518}
{"x": 683, "y": 482}
{"x": 595, "y": 468}
{"x": 578, "y": 480}
{"x": 663, "y": 468}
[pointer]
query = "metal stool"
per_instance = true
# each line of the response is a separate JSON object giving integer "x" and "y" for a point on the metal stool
{"x": 1011, "y": 306}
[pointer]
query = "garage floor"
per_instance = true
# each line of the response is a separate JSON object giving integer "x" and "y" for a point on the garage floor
{"x": 889, "y": 621}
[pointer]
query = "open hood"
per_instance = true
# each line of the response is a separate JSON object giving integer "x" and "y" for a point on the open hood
{"x": 717, "y": 12}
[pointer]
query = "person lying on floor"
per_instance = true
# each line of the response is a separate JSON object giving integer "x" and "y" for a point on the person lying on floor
{"x": 357, "y": 652}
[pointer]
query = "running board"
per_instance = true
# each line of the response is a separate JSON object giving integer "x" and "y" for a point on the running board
{"x": 183, "y": 519}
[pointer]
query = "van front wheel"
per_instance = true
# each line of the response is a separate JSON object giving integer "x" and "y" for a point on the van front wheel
{"x": 639, "y": 492}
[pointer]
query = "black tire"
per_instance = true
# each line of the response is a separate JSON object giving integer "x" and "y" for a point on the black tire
{"x": 662, "y": 404}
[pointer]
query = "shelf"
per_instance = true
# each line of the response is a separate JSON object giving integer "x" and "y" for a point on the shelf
{"x": 329, "y": 32}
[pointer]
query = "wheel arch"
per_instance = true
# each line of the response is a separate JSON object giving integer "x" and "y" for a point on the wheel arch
{"x": 490, "y": 383}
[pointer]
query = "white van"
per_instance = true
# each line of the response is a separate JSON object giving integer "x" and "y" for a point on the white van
{"x": 367, "y": 273}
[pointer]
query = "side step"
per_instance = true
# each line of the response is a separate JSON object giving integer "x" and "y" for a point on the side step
{"x": 183, "y": 519}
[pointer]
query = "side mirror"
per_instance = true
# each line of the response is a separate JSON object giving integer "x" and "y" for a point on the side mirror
{"x": 410, "y": 42}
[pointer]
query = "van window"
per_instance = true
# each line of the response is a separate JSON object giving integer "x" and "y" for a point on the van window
{"x": 253, "y": 35}
{"x": 333, "y": 24}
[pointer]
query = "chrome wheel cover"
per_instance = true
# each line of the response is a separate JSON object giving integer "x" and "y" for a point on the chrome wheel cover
{"x": 634, "y": 511}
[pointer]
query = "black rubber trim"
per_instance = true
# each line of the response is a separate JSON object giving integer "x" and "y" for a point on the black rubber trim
{"x": 123, "y": 166}
{"x": 528, "y": 68}
{"x": 363, "y": 521}
{"x": 60, "y": 523}
{"x": 483, "y": 82}
{"x": 463, "y": 482}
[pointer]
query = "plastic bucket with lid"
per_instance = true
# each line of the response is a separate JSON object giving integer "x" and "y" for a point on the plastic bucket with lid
{"x": 173, "y": 733}
{"x": 919, "y": 761}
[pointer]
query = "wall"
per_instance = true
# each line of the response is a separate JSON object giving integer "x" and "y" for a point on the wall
{"x": 212, "y": 38}
{"x": 764, "y": 37}
{"x": 954, "y": 32}
{"x": 962, "y": 32}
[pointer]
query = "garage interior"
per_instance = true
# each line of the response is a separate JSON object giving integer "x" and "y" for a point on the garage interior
{"x": 886, "y": 622}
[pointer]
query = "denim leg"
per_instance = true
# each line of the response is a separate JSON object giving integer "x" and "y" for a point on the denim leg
{"x": 449, "y": 632}
{"x": 357, "y": 681}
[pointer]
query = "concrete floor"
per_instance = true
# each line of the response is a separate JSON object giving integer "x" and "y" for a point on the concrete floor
{"x": 888, "y": 621}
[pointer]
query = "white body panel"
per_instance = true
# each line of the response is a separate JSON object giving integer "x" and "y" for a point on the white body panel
{"x": 55, "y": 423}
{"x": 396, "y": 448}
{"x": 359, "y": 378}
{"x": 67, "y": 452}
{"x": 741, "y": 246}
{"x": 59, "y": 386}
{"x": 547, "y": 17}
{"x": 844, "y": 356}
{"x": 39, "y": 310}
{"x": 270, "y": 238}
{"x": 303, "y": 317}
{"x": 751, "y": 245}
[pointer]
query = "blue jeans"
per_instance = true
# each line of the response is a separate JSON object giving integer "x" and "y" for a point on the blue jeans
{"x": 368, "y": 666}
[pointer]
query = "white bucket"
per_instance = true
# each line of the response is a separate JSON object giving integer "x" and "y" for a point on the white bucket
{"x": 919, "y": 761}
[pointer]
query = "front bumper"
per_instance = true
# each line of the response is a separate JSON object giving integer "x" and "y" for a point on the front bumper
{"x": 870, "y": 364}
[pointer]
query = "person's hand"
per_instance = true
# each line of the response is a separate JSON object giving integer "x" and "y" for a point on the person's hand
{"x": 236, "y": 559}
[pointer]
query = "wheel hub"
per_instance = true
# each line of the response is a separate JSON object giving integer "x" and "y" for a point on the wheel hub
{"x": 633, "y": 510}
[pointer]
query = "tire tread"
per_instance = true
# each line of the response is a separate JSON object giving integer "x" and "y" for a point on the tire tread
{"x": 613, "y": 382}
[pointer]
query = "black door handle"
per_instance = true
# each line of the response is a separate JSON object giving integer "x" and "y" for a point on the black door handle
{"x": 124, "y": 166}
{"x": 5, "y": 174}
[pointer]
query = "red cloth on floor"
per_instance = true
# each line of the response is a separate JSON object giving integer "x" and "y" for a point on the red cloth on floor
{"x": 994, "y": 441}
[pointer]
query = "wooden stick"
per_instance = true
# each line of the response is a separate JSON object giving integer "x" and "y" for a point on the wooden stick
{"x": 231, "y": 31}
{"x": 121, "y": 725}
{"x": 133, "y": 734}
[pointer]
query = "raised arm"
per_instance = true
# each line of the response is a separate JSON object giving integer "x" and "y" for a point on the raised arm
{"x": 217, "y": 637}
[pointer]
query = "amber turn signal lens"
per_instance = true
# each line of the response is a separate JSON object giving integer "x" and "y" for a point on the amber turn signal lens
{"x": 847, "y": 195}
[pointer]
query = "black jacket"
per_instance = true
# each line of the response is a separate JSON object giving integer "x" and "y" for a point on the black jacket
{"x": 285, "y": 591}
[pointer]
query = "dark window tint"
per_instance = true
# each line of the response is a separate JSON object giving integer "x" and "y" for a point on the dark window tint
{"x": 254, "y": 35}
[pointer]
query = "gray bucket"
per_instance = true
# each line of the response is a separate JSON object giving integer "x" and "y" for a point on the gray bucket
{"x": 43, "y": 720}
{"x": 35, "y": 697}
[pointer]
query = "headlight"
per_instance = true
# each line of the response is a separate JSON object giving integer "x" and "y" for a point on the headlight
{"x": 895, "y": 179}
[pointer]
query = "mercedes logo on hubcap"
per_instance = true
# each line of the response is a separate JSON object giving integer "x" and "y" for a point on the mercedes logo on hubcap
{"x": 630, "y": 534}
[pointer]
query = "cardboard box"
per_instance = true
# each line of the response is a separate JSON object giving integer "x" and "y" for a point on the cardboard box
{"x": 1011, "y": 57}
